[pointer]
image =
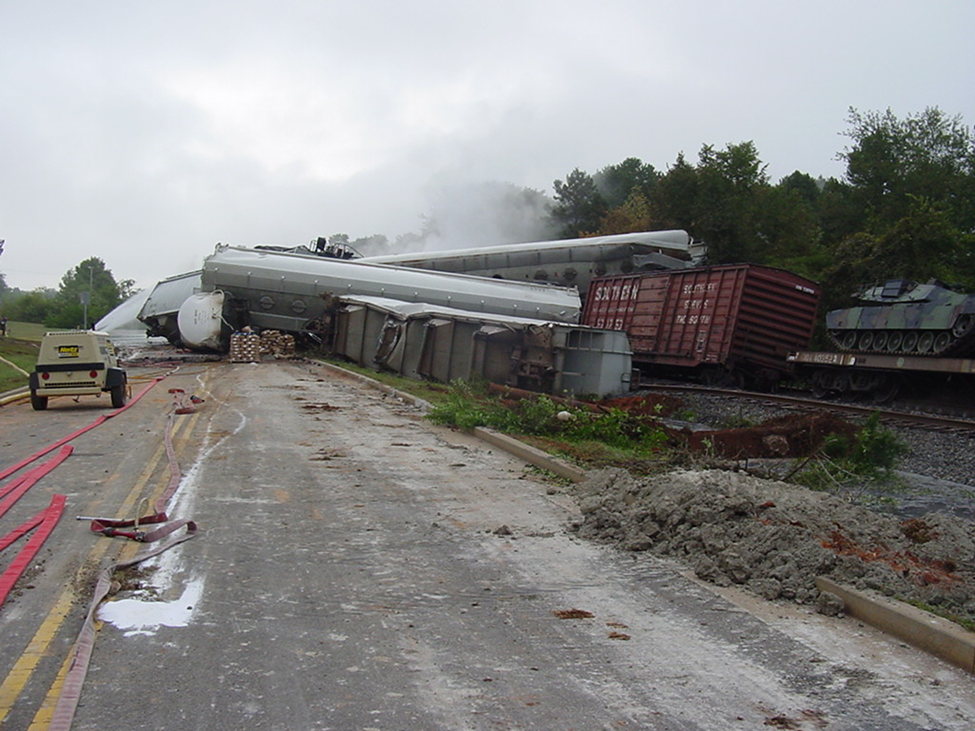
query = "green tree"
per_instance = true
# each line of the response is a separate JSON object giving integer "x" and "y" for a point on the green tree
{"x": 89, "y": 278}
{"x": 906, "y": 208}
{"x": 579, "y": 205}
{"x": 616, "y": 183}
{"x": 674, "y": 198}
{"x": 923, "y": 245}
{"x": 892, "y": 161}
{"x": 804, "y": 185}
{"x": 634, "y": 214}
{"x": 727, "y": 201}
{"x": 34, "y": 306}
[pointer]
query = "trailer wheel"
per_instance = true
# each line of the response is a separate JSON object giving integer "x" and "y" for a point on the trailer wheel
{"x": 118, "y": 396}
{"x": 39, "y": 403}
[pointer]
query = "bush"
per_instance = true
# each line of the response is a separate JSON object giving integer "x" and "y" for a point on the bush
{"x": 856, "y": 467}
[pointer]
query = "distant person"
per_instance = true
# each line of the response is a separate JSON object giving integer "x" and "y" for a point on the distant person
{"x": 3, "y": 326}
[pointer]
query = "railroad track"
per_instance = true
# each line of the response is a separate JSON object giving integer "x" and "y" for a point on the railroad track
{"x": 891, "y": 416}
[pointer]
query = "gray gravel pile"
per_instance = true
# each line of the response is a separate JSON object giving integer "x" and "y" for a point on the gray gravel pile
{"x": 774, "y": 539}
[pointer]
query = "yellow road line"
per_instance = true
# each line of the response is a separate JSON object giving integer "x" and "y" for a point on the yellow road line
{"x": 42, "y": 719}
{"x": 13, "y": 685}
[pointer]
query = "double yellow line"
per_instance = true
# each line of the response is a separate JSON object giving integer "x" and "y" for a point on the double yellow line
{"x": 13, "y": 685}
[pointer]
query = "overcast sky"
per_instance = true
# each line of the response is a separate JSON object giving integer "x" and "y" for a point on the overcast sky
{"x": 145, "y": 133}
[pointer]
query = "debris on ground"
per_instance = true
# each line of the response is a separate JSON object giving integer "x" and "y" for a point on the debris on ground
{"x": 774, "y": 539}
{"x": 790, "y": 436}
{"x": 785, "y": 436}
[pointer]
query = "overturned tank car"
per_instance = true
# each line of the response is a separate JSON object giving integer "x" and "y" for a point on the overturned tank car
{"x": 902, "y": 316}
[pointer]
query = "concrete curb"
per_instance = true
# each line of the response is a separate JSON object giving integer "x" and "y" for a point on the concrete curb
{"x": 529, "y": 454}
{"x": 9, "y": 397}
{"x": 922, "y": 629}
{"x": 409, "y": 398}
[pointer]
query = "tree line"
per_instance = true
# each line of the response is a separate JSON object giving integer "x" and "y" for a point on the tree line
{"x": 904, "y": 208}
{"x": 87, "y": 291}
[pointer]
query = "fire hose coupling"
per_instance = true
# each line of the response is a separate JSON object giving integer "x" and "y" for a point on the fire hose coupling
{"x": 110, "y": 532}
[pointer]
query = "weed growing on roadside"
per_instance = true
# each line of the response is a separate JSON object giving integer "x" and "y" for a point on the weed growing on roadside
{"x": 860, "y": 469}
{"x": 469, "y": 405}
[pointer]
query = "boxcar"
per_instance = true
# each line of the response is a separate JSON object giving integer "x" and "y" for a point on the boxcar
{"x": 727, "y": 324}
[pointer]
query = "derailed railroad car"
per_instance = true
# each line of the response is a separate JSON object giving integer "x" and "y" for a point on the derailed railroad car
{"x": 731, "y": 324}
{"x": 429, "y": 342}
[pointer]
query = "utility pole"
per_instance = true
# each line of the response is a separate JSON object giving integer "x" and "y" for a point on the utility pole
{"x": 85, "y": 299}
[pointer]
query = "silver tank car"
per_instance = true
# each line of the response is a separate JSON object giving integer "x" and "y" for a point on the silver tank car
{"x": 288, "y": 291}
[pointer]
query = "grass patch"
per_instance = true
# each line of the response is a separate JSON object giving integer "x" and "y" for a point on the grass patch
{"x": 942, "y": 612}
{"x": 583, "y": 436}
{"x": 30, "y": 331}
{"x": 21, "y": 350}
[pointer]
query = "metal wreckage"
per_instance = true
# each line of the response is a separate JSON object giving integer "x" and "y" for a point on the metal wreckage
{"x": 508, "y": 314}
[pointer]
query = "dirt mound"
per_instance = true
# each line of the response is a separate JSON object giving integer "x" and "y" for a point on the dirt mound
{"x": 775, "y": 539}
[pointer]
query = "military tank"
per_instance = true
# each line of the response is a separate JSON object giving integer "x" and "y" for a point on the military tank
{"x": 904, "y": 317}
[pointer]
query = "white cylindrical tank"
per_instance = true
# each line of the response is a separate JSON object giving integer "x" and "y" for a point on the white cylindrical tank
{"x": 200, "y": 320}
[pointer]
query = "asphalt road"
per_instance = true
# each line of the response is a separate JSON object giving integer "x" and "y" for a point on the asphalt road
{"x": 359, "y": 569}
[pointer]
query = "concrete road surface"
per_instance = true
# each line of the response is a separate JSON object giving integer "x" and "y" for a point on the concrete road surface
{"x": 359, "y": 569}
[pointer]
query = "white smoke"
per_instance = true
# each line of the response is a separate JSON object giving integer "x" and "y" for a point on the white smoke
{"x": 468, "y": 215}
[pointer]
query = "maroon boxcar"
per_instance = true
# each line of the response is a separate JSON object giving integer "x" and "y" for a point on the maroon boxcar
{"x": 726, "y": 324}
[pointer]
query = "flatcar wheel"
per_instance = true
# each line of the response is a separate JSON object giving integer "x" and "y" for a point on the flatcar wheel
{"x": 819, "y": 379}
{"x": 941, "y": 342}
{"x": 886, "y": 390}
{"x": 909, "y": 343}
{"x": 894, "y": 341}
{"x": 925, "y": 342}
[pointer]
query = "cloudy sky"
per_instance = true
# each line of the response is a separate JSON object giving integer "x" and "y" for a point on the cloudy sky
{"x": 145, "y": 133}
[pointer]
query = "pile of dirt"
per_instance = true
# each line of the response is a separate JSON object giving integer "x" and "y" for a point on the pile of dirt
{"x": 774, "y": 539}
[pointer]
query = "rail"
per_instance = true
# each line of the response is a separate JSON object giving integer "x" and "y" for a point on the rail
{"x": 888, "y": 415}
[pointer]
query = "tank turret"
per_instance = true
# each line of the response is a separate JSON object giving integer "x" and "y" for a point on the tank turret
{"x": 901, "y": 316}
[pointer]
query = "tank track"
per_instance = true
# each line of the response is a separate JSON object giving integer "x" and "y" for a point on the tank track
{"x": 954, "y": 343}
